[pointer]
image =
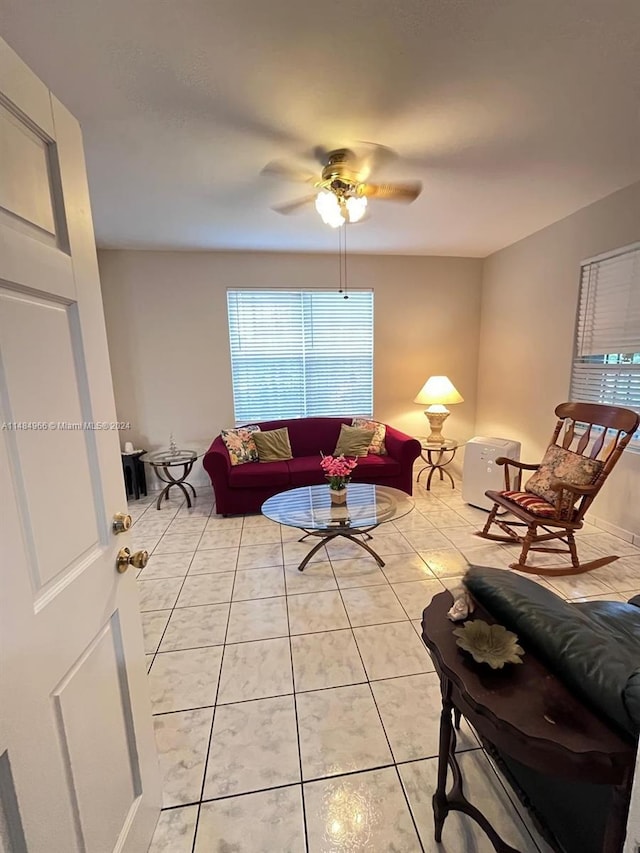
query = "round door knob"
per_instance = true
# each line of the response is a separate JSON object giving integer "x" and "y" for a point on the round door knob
{"x": 121, "y": 522}
{"x": 138, "y": 559}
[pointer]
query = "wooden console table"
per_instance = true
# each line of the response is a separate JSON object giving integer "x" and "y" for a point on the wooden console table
{"x": 523, "y": 711}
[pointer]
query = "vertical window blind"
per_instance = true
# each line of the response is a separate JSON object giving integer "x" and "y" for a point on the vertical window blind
{"x": 606, "y": 364}
{"x": 300, "y": 353}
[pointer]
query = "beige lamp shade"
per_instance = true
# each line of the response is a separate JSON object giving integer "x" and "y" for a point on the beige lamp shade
{"x": 436, "y": 393}
{"x": 438, "y": 390}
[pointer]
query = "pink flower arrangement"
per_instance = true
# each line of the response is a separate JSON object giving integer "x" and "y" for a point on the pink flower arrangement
{"x": 337, "y": 470}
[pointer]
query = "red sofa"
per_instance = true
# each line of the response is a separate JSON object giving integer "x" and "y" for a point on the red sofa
{"x": 244, "y": 488}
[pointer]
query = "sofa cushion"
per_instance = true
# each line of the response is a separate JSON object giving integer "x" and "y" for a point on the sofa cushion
{"x": 377, "y": 445}
{"x": 267, "y": 474}
{"x": 561, "y": 464}
{"x": 273, "y": 445}
{"x": 373, "y": 467}
{"x": 532, "y": 503}
{"x": 240, "y": 444}
{"x": 306, "y": 471}
{"x": 311, "y": 436}
{"x": 621, "y": 620}
{"x": 582, "y": 651}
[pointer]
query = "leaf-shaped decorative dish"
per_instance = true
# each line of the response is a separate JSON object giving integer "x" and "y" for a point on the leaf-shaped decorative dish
{"x": 491, "y": 644}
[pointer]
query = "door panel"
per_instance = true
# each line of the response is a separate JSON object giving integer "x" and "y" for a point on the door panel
{"x": 91, "y": 697}
{"x": 25, "y": 189}
{"x": 75, "y": 721}
{"x": 42, "y": 390}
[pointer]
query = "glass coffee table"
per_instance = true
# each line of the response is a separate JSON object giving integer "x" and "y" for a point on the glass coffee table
{"x": 309, "y": 508}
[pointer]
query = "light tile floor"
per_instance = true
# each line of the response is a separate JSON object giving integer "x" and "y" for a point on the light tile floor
{"x": 298, "y": 712}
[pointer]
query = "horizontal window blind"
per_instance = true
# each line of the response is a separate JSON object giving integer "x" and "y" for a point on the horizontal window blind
{"x": 606, "y": 365}
{"x": 300, "y": 353}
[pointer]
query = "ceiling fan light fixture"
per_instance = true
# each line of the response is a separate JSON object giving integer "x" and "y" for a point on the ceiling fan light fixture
{"x": 356, "y": 207}
{"x": 329, "y": 209}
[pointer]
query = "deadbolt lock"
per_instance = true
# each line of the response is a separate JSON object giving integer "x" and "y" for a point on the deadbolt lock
{"x": 138, "y": 559}
{"x": 121, "y": 522}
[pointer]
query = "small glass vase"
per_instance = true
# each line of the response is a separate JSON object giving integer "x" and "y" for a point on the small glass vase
{"x": 338, "y": 496}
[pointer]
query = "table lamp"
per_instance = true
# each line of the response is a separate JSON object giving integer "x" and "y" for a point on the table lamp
{"x": 437, "y": 392}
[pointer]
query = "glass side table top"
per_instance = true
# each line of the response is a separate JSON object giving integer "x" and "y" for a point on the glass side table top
{"x": 310, "y": 507}
{"x": 445, "y": 444}
{"x": 167, "y": 458}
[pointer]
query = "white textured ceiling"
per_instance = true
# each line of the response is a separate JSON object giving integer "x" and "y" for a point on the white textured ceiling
{"x": 513, "y": 113}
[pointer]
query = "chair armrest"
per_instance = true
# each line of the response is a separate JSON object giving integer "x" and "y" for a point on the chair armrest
{"x": 521, "y": 466}
{"x": 504, "y": 460}
{"x": 561, "y": 485}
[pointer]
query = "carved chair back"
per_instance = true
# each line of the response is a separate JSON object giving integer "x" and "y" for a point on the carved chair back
{"x": 596, "y": 432}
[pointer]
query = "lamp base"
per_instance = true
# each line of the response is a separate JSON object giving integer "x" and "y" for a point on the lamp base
{"x": 436, "y": 420}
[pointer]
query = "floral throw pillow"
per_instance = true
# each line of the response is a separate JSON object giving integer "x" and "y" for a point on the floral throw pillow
{"x": 240, "y": 444}
{"x": 561, "y": 464}
{"x": 379, "y": 432}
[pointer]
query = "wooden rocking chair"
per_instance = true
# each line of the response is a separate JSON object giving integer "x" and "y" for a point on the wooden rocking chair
{"x": 567, "y": 481}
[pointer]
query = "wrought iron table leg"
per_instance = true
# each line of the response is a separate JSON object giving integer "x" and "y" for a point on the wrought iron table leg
{"x": 326, "y": 538}
{"x": 438, "y": 466}
{"x": 367, "y": 548}
{"x": 171, "y": 481}
{"x": 313, "y": 551}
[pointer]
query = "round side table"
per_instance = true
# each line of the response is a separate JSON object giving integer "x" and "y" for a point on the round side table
{"x": 162, "y": 461}
{"x": 438, "y": 455}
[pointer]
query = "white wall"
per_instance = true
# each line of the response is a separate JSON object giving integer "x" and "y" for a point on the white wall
{"x": 529, "y": 299}
{"x": 166, "y": 320}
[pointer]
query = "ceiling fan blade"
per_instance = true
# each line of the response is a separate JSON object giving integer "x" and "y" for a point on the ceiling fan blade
{"x": 404, "y": 192}
{"x": 278, "y": 169}
{"x": 371, "y": 158}
{"x": 293, "y": 206}
{"x": 320, "y": 154}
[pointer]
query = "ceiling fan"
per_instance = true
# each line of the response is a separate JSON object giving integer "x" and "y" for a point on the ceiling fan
{"x": 343, "y": 187}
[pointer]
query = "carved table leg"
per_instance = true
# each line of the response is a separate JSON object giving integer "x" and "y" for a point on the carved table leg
{"x": 455, "y": 800}
{"x": 440, "y": 803}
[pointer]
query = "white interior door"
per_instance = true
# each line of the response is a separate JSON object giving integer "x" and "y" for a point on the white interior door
{"x": 78, "y": 770}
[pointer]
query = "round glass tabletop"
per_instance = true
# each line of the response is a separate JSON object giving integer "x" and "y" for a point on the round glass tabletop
{"x": 445, "y": 444}
{"x": 310, "y": 507}
{"x": 167, "y": 458}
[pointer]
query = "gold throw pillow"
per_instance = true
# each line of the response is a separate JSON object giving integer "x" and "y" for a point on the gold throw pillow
{"x": 273, "y": 445}
{"x": 353, "y": 441}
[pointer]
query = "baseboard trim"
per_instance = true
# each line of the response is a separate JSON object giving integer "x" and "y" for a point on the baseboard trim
{"x": 614, "y": 529}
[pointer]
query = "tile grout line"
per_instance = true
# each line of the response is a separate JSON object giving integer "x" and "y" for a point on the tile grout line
{"x": 287, "y": 594}
{"x": 174, "y": 608}
{"x": 295, "y": 714}
{"x": 171, "y": 609}
{"x": 215, "y": 704}
{"x": 219, "y": 672}
{"x": 371, "y": 693}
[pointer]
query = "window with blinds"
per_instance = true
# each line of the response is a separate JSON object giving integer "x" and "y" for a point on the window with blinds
{"x": 300, "y": 353}
{"x": 606, "y": 364}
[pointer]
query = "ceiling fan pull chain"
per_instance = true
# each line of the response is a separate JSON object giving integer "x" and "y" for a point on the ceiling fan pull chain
{"x": 345, "y": 259}
{"x": 339, "y": 260}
